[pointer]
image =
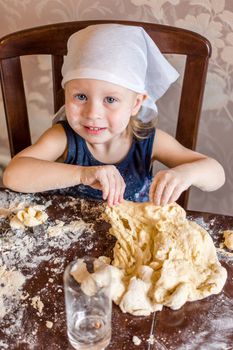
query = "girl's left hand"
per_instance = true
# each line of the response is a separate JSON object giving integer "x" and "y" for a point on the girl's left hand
{"x": 168, "y": 185}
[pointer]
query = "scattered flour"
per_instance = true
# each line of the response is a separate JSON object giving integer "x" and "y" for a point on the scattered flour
{"x": 11, "y": 282}
{"x": 3, "y": 345}
{"x": 60, "y": 228}
{"x": 223, "y": 253}
{"x": 23, "y": 250}
{"x": 151, "y": 339}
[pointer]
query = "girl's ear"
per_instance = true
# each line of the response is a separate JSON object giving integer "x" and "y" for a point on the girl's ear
{"x": 138, "y": 102}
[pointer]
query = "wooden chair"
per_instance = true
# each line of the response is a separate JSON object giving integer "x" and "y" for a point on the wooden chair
{"x": 52, "y": 39}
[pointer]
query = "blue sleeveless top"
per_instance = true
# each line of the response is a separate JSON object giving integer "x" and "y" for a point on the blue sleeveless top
{"x": 135, "y": 168}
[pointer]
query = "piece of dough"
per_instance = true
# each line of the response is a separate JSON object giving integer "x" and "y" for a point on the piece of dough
{"x": 164, "y": 258}
{"x": 103, "y": 275}
{"x": 136, "y": 340}
{"x": 228, "y": 236}
{"x": 29, "y": 216}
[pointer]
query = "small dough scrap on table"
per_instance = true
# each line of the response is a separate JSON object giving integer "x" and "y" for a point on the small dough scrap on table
{"x": 228, "y": 236}
{"x": 136, "y": 340}
{"x": 49, "y": 324}
{"x": 37, "y": 304}
{"x": 29, "y": 216}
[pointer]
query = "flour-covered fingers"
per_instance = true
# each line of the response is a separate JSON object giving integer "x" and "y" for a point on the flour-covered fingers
{"x": 112, "y": 188}
{"x": 119, "y": 188}
{"x": 178, "y": 190}
{"x": 167, "y": 193}
{"x": 156, "y": 191}
{"x": 156, "y": 188}
{"x": 167, "y": 186}
{"x": 123, "y": 186}
{"x": 113, "y": 185}
{"x": 105, "y": 186}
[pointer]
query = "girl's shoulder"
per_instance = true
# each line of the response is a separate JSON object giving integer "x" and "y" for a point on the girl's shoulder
{"x": 54, "y": 134}
{"x": 54, "y": 137}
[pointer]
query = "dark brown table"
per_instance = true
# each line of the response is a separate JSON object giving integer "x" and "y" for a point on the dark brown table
{"x": 205, "y": 324}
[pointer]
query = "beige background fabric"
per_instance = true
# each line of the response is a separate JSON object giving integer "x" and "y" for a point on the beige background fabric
{"x": 211, "y": 18}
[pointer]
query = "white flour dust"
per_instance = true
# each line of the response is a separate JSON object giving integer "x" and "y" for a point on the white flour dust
{"x": 23, "y": 250}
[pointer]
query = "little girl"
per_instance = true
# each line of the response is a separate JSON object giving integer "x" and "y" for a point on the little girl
{"x": 112, "y": 76}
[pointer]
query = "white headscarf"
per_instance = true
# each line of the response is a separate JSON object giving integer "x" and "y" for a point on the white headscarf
{"x": 122, "y": 55}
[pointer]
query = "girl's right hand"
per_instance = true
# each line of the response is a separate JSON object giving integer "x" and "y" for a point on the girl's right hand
{"x": 168, "y": 184}
{"x": 105, "y": 178}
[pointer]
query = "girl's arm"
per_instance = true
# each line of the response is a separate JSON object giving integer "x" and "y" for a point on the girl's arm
{"x": 35, "y": 170}
{"x": 187, "y": 168}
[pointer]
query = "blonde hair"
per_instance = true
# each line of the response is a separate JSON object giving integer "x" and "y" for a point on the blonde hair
{"x": 140, "y": 129}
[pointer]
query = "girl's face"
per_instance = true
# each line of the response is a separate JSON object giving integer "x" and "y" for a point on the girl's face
{"x": 99, "y": 111}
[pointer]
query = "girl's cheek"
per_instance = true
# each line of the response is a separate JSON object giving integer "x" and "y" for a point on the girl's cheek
{"x": 72, "y": 110}
{"x": 72, "y": 107}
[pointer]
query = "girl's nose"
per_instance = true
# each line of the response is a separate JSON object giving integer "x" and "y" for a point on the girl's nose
{"x": 92, "y": 111}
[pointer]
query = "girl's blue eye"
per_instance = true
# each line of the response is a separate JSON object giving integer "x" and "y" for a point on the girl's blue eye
{"x": 81, "y": 97}
{"x": 110, "y": 99}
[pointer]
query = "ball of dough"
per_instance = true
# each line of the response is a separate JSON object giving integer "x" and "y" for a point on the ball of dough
{"x": 228, "y": 236}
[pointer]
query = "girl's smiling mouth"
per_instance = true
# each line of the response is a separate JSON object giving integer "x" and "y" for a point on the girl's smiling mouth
{"x": 93, "y": 130}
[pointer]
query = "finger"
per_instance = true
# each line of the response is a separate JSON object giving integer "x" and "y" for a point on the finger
{"x": 112, "y": 188}
{"x": 122, "y": 190}
{"x": 176, "y": 194}
{"x": 154, "y": 185}
{"x": 103, "y": 179}
{"x": 157, "y": 194}
{"x": 167, "y": 192}
{"x": 152, "y": 189}
{"x": 118, "y": 189}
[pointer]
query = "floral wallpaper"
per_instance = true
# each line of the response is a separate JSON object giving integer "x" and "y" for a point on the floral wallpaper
{"x": 211, "y": 18}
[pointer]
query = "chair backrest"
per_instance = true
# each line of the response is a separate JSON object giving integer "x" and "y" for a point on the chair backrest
{"x": 52, "y": 40}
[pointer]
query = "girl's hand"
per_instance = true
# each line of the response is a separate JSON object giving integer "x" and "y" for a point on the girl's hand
{"x": 168, "y": 185}
{"x": 105, "y": 178}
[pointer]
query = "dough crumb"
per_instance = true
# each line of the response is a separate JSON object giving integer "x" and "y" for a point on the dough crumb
{"x": 49, "y": 324}
{"x": 24, "y": 296}
{"x": 37, "y": 304}
{"x": 136, "y": 340}
{"x": 228, "y": 236}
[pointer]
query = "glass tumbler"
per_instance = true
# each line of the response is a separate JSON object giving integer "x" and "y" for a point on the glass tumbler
{"x": 88, "y": 313}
